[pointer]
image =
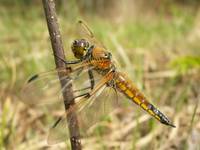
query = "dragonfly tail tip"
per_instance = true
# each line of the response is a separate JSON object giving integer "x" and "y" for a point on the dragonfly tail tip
{"x": 172, "y": 125}
{"x": 168, "y": 123}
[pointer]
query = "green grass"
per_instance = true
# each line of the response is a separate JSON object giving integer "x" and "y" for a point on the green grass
{"x": 152, "y": 46}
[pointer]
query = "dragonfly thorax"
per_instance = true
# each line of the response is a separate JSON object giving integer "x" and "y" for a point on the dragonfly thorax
{"x": 79, "y": 48}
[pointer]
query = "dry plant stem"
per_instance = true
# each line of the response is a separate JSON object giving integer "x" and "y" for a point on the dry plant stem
{"x": 56, "y": 42}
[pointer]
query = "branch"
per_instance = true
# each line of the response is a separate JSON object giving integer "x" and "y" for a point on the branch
{"x": 56, "y": 42}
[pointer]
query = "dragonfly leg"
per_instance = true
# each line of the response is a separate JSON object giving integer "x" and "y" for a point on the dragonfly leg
{"x": 79, "y": 90}
{"x": 79, "y": 72}
{"x": 68, "y": 62}
{"x": 85, "y": 95}
{"x": 115, "y": 89}
{"x": 91, "y": 76}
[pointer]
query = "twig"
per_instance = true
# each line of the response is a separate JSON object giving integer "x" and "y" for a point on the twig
{"x": 56, "y": 42}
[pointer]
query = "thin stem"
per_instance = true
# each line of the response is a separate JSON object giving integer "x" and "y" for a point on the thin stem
{"x": 57, "y": 46}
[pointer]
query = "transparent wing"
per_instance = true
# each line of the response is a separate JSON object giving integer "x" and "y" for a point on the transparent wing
{"x": 59, "y": 131}
{"x": 85, "y": 32}
{"x": 94, "y": 115}
{"x": 44, "y": 88}
{"x": 89, "y": 111}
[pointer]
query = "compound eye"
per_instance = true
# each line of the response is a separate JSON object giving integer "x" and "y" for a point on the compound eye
{"x": 87, "y": 44}
{"x": 75, "y": 42}
{"x": 107, "y": 55}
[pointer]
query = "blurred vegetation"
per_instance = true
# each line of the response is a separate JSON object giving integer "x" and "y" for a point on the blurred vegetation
{"x": 155, "y": 42}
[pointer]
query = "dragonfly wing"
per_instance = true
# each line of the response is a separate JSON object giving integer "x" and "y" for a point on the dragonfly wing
{"x": 45, "y": 88}
{"x": 86, "y": 109}
{"x": 59, "y": 131}
{"x": 56, "y": 134}
{"x": 93, "y": 114}
{"x": 85, "y": 32}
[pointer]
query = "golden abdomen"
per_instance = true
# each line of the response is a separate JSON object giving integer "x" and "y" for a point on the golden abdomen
{"x": 125, "y": 85}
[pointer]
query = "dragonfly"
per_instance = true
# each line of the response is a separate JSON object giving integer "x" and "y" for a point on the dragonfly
{"x": 94, "y": 63}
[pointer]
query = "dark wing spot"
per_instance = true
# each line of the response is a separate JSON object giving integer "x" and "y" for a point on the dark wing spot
{"x": 80, "y": 21}
{"x": 56, "y": 123}
{"x": 33, "y": 78}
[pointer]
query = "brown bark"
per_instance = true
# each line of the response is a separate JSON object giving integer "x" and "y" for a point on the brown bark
{"x": 58, "y": 50}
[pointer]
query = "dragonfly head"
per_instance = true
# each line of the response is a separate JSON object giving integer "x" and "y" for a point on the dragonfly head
{"x": 79, "y": 48}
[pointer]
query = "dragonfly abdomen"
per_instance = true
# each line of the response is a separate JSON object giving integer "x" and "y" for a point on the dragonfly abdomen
{"x": 126, "y": 87}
